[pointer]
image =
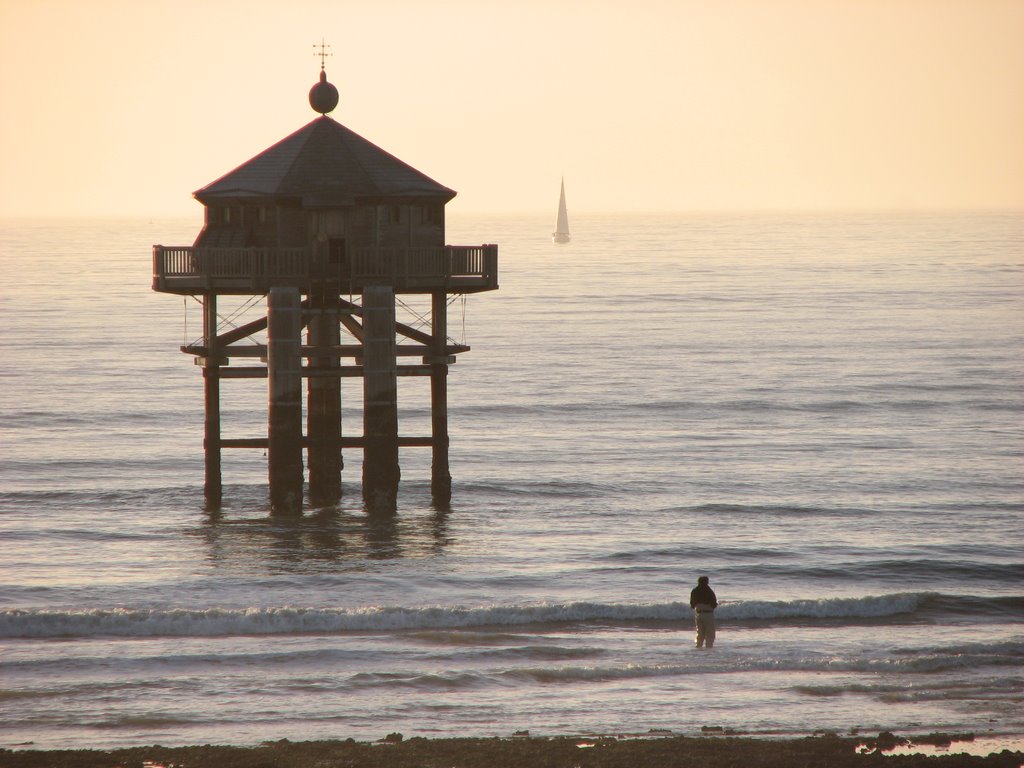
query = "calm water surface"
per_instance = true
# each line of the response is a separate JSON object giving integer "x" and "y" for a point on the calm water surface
{"x": 822, "y": 413}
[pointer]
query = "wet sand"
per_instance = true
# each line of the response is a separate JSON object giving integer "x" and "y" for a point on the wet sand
{"x": 712, "y": 751}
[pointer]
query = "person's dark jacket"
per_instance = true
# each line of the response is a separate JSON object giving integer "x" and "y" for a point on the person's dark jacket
{"x": 704, "y": 596}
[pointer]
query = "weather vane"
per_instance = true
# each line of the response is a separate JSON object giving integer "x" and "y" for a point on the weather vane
{"x": 322, "y": 53}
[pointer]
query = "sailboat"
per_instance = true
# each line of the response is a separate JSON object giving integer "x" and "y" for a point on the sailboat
{"x": 561, "y": 233}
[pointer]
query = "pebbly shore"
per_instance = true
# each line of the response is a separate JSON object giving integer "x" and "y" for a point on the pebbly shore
{"x": 523, "y": 751}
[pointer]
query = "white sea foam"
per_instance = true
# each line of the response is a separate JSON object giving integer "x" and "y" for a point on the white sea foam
{"x": 135, "y": 622}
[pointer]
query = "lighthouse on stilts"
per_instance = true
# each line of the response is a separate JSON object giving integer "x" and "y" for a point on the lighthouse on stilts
{"x": 332, "y": 230}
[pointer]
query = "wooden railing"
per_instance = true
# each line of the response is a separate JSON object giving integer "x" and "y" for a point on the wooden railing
{"x": 449, "y": 261}
{"x": 181, "y": 269}
{"x": 175, "y": 261}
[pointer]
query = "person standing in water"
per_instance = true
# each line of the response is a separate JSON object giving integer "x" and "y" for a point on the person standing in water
{"x": 704, "y": 602}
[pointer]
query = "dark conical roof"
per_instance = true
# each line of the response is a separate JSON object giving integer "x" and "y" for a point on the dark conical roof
{"x": 325, "y": 165}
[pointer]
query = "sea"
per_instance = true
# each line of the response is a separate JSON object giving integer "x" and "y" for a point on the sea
{"x": 821, "y": 412}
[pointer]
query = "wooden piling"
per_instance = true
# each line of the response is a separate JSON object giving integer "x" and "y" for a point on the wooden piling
{"x": 212, "y": 488}
{"x": 440, "y": 476}
{"x": 284, "y": 375}
{"x": 323, "y": 404}
{"x": 380, "y": 400}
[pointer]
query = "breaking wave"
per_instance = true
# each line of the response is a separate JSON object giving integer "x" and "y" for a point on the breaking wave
{"x": 213, "y": 621}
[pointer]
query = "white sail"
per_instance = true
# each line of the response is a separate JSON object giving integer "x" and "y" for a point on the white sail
{"x": 561, "y": 233}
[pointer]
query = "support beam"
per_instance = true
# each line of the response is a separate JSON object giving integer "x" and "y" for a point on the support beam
{"x": 242, "y": 331}
{"x": 339, "y": 350}
{"x": 343, "y": 372}
{"x": 406, "y": 330}
{"x": 380, "y": 400}
{"x": 248, "y": 329}
{"x": 404, "y": 441}
{"x": 284, "y": 374}
{"x": 351, "y": 325}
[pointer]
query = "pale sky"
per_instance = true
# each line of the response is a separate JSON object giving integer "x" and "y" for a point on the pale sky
{"x": 125, "y": 107}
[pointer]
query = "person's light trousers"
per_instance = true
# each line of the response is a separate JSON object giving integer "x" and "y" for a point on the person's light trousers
{"x": 705, "y": 628}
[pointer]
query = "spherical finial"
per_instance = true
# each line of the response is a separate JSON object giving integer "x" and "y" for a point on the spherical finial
{"x": 323, "y": 97}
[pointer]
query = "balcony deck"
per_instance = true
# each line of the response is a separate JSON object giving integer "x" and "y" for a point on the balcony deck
{"x": 253, "y": 271}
